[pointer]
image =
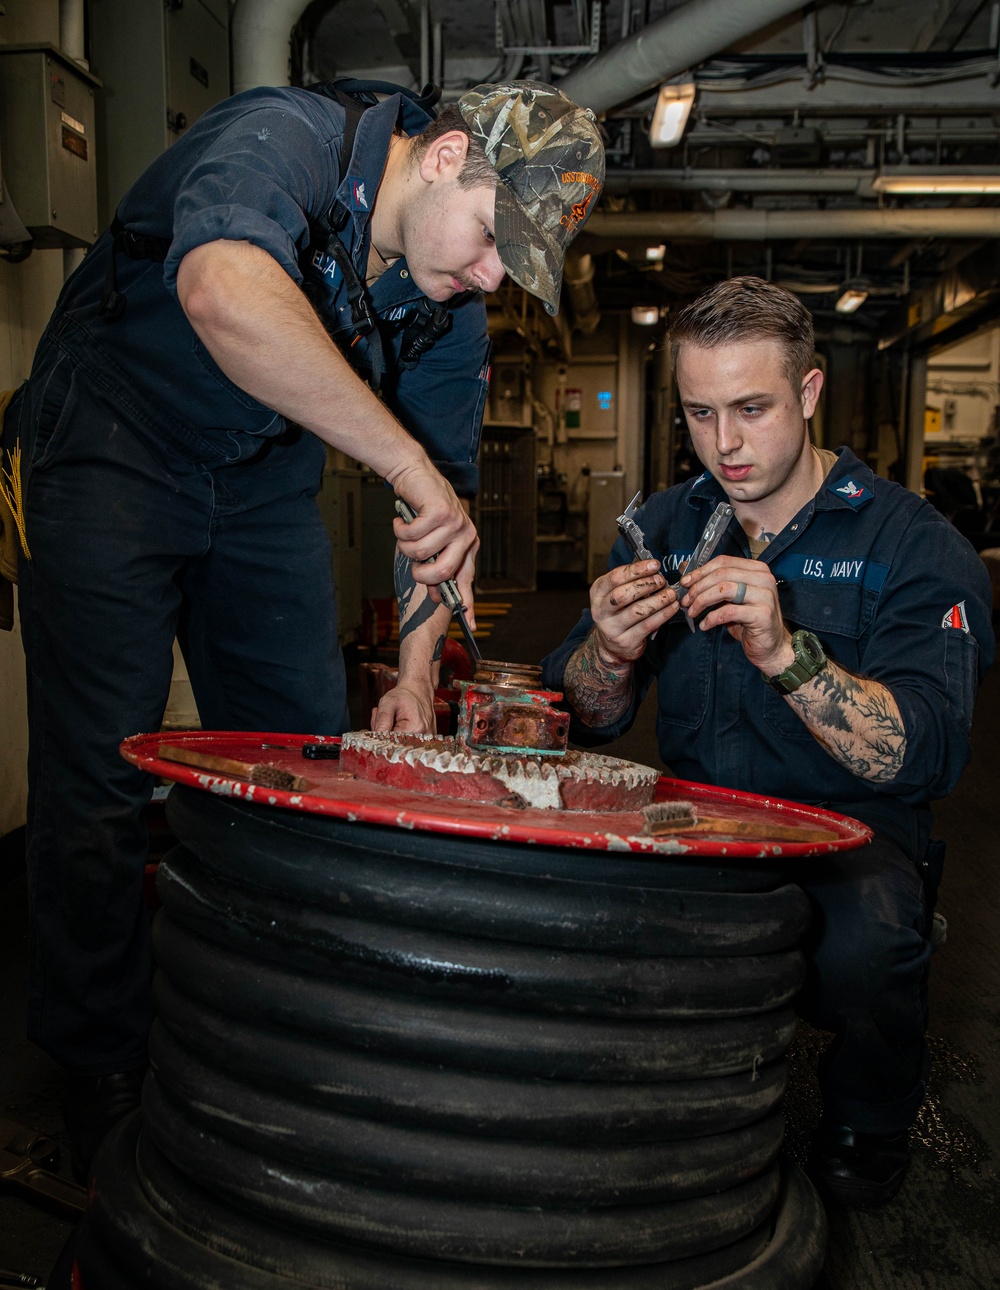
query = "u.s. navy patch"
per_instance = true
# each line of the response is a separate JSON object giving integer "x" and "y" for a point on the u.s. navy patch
{"x": 850, "y": 490}
{"x": 955, "y": 617}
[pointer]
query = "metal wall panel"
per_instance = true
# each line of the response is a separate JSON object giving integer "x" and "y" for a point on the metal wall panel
{"x": 197, "y": 63}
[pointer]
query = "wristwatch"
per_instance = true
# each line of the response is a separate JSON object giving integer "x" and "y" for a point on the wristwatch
{"x": 809, "y": 659}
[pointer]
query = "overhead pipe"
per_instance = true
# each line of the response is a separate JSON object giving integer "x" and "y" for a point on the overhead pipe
{"x": 856, "y": 182}
{"x": 262, "y": 31}
{"x": 71, "y": 31}
{"x": 578, "y": 279}
{"x": 72, "y": 42}
{"x": 767, "y": 225}
{"x": 668, "y": 46}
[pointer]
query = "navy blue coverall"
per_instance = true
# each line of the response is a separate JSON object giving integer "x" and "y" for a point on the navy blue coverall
{"x": 161, "y": 499}
{"x": 894, "y": 593}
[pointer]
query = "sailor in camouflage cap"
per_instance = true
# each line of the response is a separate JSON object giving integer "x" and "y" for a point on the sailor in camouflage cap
{"x": 549, "y": 156}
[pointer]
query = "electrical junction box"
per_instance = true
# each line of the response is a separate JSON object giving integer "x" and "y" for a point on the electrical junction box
{"x": 47, "y": 144}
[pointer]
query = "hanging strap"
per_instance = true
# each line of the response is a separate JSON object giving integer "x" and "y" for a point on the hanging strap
{"x": 137, "y": 246}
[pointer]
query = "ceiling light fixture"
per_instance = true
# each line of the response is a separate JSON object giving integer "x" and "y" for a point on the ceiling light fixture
{"x": 673, "y": 107}
{"x": 645, "y": 315}
{"x": 655, "y": 253}
{"x": 851, "y": 298}
{"x": 937, "y": 181}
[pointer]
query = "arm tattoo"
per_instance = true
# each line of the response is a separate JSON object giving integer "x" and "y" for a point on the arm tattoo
{"x": 600, "y": 693}
{"x": 414, "y": 609}
{"x": 438, "y": 650}
{"x": 856, "y": 720}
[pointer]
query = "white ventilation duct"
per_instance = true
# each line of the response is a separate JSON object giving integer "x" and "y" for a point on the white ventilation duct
{"x": 668, "y": 46}
{"x": 769, "y": 225}
{"x": 262, "y": 32}
{"x": 578, "y": 279}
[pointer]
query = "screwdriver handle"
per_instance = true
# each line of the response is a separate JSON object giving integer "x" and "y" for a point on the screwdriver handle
{"x": 450, "y": 593}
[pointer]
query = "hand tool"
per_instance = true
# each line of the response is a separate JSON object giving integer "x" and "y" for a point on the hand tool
{"x": 682, "y": 817}
{"x": 450, "y": 593}
{"x": 25, "y": 1157}
{"x": 631, "y": 531}
{"x": 715, "y": 531}
{"x": 634, "y": 536}
{"x": 253, "y": 772}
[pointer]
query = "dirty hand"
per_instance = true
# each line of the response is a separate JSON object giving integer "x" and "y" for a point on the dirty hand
{"x": 441, "y": 528}
{"x": 742, "y": 596}
{"x": 628, "y": 604}
{"x": 406, "y": 708}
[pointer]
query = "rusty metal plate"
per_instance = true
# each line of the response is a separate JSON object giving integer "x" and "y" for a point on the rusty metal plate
{"x": 330, "y": 792}
{"x": 517, "y": 727}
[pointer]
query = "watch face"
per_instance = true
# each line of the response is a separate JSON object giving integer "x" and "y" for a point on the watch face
{"x": 811, "y": 647}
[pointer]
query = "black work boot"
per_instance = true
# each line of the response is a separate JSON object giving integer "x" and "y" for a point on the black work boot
{"x": 93, "y": 1106}
{"x": 858, "y": 1170}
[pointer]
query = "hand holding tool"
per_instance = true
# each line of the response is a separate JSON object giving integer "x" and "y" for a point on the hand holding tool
{"x": 715, "y": 531}
{"x": 450, "y": 594}
{"x": 634, "y": 536}
{"x": 631, "y": 531}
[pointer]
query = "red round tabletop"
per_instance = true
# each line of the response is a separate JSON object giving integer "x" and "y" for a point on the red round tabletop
{"x": 329, "y": 791}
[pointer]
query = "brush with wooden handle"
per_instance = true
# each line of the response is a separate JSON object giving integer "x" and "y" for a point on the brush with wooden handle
{"x": 662, "y": 818}
{"x": 261, "y": 773}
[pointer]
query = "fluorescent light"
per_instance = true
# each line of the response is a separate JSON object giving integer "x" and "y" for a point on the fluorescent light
{"x": 850, "y": 299}
{"x": 645, "y": 315}
{"x": 673, "y": 106}
{"x": 937, "y": 181}
{"x": 655, "y": 253}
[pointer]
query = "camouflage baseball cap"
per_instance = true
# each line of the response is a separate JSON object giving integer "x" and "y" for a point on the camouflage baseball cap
{"x": 550, "y": 158}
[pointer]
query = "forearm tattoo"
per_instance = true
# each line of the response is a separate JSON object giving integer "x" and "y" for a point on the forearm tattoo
{"x": 438, "y": 650}
{"x": 414, "y": 608}
{"x": 600, "y": 693}
{"x": 856, "y": 720}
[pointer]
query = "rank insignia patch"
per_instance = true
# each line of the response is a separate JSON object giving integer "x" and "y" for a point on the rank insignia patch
{"x": 851, "y": 491}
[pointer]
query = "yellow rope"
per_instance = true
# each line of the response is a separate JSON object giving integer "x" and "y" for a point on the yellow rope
{"x": 10, "y": 490}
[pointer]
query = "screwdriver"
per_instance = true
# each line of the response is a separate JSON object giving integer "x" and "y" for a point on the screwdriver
{"x": 450, "y": 593}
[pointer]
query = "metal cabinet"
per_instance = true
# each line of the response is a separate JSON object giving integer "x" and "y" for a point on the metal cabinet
{"x": 47, "y": 144}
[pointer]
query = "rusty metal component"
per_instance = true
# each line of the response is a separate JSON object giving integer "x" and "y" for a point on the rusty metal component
{"x": 505, "y": 727}
{"x": 504, "y": 709}
{"x": 430, "y": 764}
{"x": 516, "y": 676}
{"x": 25, "y": 1160}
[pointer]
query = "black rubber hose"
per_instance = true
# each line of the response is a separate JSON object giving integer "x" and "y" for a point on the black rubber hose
{"x": 183, "y": 1096}
{"x": 430, "y": 1227}
{"x": 490, "y": 972}
{"x": 290, "y": 852}
{"x": 559, "y": 910}
{"x": 454, "y": 1034}
{"x": 326, "y": 1073}
{"x": 793, "y": 1258}
{"x": 170, "y": 1234}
